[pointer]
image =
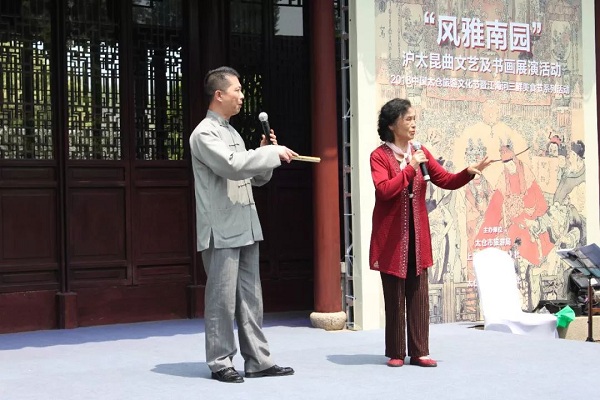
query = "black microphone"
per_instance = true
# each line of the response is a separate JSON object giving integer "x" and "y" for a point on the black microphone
{"x": 264, "y": 121}
{"x": 417, "y": 146}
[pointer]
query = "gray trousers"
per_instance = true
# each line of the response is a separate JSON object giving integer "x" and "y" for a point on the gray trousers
{"x": 233, "y": 292}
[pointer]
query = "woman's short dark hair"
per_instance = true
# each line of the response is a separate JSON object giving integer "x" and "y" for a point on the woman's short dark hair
{"x": 216, "y": 79}
{"x": 389, "y": 113}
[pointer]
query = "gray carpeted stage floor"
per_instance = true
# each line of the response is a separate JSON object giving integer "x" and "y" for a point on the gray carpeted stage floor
{"x": 165, "y": 360}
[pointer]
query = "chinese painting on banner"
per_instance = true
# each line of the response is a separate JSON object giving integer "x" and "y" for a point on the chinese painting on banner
{"x": 502, "y": 78}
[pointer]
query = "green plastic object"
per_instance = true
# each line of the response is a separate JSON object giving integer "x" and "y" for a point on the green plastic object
{"x": 564, "y": 317}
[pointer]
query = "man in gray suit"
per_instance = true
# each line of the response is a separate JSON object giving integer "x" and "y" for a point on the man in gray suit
{"x": 228, "y": 231}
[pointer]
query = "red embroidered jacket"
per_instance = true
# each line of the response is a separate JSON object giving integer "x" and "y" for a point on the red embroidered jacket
{"x": 389, "y": 238}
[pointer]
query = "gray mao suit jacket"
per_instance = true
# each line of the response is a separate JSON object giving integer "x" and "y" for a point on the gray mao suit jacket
{"x": 224, "y": 173}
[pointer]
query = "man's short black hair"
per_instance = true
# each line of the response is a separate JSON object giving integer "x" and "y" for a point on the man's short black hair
{"x": 216, "y": 79}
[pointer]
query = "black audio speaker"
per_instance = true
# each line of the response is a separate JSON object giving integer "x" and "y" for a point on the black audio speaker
{"x": 578, "y": 288}
{"x": 579, "y": 282}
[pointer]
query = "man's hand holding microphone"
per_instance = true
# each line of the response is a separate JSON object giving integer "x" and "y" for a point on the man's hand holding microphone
{"x": 285, "y": 154}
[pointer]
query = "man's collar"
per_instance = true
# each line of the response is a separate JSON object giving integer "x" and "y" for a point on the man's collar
{"x": 222, "y": 121}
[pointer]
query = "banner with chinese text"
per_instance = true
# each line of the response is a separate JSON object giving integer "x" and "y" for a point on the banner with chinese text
{"x": 502, "y": 78}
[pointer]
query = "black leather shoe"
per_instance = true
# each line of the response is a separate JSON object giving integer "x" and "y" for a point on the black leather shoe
{"x": 228, "y": 375}
{"x": 275, "y": 370}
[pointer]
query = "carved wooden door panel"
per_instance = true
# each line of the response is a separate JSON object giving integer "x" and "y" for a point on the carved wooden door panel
{"x": 97, "y": 172}
{"x": 128, "y": 186}
{"x": 30, "y": 256}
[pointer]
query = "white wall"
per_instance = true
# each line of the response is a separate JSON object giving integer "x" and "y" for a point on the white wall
{"x": 368, "y": 306}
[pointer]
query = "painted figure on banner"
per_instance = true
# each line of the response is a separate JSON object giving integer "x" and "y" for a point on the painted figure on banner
{"x": 548, "y": 158}
{"x": 444, "y": 207}
{"x": 555, "y": 147}
{"x": 565, "y": 226}
{"x": 517, "y": 200}
{"x": 572, "y": 180}
{"x": 478, "y": 193}
{"x": 565, "y": 219}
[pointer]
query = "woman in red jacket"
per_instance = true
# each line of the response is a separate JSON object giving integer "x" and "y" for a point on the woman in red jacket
{"x": 400, "y": 240}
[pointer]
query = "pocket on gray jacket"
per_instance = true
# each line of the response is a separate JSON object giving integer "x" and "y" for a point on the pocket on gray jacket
{"x": 230, "y": 223}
